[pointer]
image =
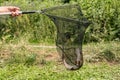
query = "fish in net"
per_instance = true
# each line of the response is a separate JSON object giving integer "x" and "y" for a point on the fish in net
{"x": 71, "y": 26}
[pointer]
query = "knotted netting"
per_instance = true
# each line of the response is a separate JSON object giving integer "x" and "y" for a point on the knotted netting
{"x": 71, "y": 26}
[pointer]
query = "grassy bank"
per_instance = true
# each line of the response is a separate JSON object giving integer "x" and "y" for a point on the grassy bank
{"x": 31, "y": 62}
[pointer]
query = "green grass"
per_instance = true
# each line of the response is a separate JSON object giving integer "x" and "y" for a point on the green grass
{"x": 52, "y": 71}
{"x": 22, "y": 62}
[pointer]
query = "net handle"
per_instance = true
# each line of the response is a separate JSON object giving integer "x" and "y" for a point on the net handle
{"x": 40, "y": 11}
{"x": 21, "y": 12}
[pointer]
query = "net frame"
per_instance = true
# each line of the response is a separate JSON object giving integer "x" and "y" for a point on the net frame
{"x": 69, "y": 50}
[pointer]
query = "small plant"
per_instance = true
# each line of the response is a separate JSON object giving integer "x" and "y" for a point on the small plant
{"x": 108, "y": 55}
{"x": 30, "y": 59}
{"x": 105, "y": 55}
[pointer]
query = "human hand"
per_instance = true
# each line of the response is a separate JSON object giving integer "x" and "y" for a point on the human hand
{"x": 14, "y": 10}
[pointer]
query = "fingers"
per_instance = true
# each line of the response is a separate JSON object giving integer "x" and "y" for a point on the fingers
{"x": 14, "y": 10}
{"x": 15, "y": 14}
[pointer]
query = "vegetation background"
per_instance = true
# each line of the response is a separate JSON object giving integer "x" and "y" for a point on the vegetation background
{"x": 21, "y": 57}
{"x": 37, "y": 28}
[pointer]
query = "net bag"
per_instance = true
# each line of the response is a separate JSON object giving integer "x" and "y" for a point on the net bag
{"x": 71, "y": 26}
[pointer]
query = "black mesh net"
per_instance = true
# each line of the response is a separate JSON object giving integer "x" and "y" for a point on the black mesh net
{"x": 71, "y": 26}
